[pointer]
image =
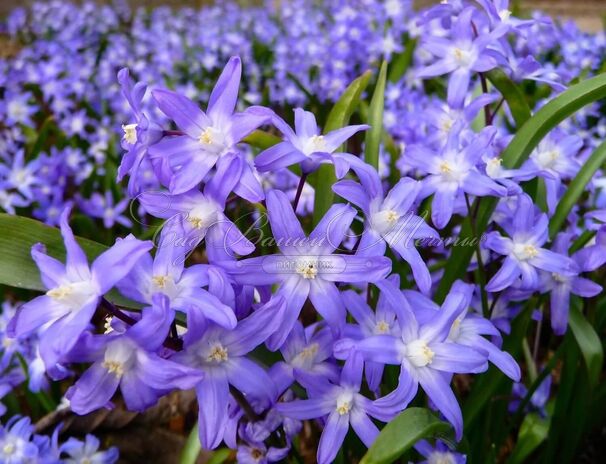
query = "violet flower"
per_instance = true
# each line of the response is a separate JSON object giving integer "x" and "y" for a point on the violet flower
{"x": 453, "y": 171}
{"x": 306, "y": 146}
{"x": 560, "y": 286}
{"x": 389, "y": 219}
{"x": 307, "y": 266}
{"x": 15, "y": 444}
{"x": 423, "y": 351}
{"x": 129, "y": 361}
{"x": 341, "y": 405}
{"x": 74, "y": 291}
{"x": 88, "y": 451}
{"x": 523, "y": 251}
{"x": 307, "y": 352}
{"x": 221, "y": 355}
{"x": 201, "y": 215}
{"x": 468, "y": 329}
{"x": 465, "y": 52}
{"x": 139, "y": 135}
{"x": 207, "y": 137}
{"x": 166, "y": 274}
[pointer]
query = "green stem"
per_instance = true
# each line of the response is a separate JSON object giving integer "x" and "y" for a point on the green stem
{"x": 532, "y": 367}
{"x": 481, "y": 274}
{"x": 191, "y": 450}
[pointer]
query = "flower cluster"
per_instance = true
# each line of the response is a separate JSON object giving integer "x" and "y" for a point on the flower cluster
{"x": 19, "y": 444}
{"x": 299, "y": 332}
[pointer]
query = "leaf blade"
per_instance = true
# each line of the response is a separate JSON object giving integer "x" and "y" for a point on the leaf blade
{"x": 399, "y": 435}
{"x": 375, "y": 120}
{"x": 324, "y": 177}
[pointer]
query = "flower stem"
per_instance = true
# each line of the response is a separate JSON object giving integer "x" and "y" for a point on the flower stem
{"x": 299, "y": 190}
{"x": 191, "y": 450}
{"x": 481, "y": 271}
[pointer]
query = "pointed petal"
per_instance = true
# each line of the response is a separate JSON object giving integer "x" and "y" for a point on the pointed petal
{"x": 186, "y": 114}
{"x": 333, "y": 227}
{"x": 459, "y": 359}
{"x": 284, "y": 223}
{"x": 337, "y": 137}
{"x": 93, "y": 390}
{"x": 442, "y": 397}
{"x": 505, "y": 276}
{"x": 332, "y": 437}
{"x": 279, "y": 156}
{"x": 213, "y": 397}
{"x": 254, "y": 329}
{"x": 52, "y": 271}
{"x": 112, "y": 265}
{"x": 224, "y": 96}
{"x": 76, "y": 265}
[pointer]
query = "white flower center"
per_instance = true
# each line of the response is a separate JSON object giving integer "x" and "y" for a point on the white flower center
{"x": 438, "y": 457}
{"x": 306, "y": 357}
{"x": 547, "y": 159}
{"x": 525, "y": 251}
{"x": 385, "y": 220}
{"x": 313, "y": 144}
{"x": 504, "y": 15}
{"x": 217, "y": 354}
{"x": 130, "y": 133}
{"x": 450, "y": 172}
{"x": 73, "y": 295}
{"x": 9, "y": 449}
{"x": 164, "y": 284}
{"x": 307, "y": 268}
{"x": 493, "y": 167}
{"x": 559, "y": 278}
{"x": 17, "y": 110}
{"x": 419, "y": 354}
{"x": 381, "y": 327}
{"x": 463, "y": 58}
{"x": 20, "y": 177}
{"x": 344, "y": 402}
{"x": 119, "y": 357}
{"x": 213, "y": 140}
{"x": 203, "y": 215}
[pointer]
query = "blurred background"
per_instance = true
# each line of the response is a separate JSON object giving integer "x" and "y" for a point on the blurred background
{"x": 589, "y": 14}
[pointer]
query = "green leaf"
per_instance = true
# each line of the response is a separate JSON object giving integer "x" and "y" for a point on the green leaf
{"x": 402, "y": 61}
{"x": 512, "y": 94}
{"x": 402, "y": 433}
{"x": 576, "y": 189}
{"x": 191, "y": 449}
{"x": 518, "y": 150}
{"x": 17, "y": 268}
{"x": 589, "y": 344}
{"x": 220, "y": 456}
{"x": 533, "y": 432}
{"x": 375, "y": 120}
{"x": 261, "y": 139}
{"x": 324, "y": 177}
{"x": 43, "y": 134}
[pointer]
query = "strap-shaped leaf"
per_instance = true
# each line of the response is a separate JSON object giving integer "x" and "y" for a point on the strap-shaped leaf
{"x": 375, "y": 120}
{"x": 17, "y": 268}
{"x": 512, "y": 94}
{"x": 576, "y": 189}
{"x": 589, "y": 343}
{"x": 518, "y": 150}
{"x": 403, "y": 432}
{"x": 533, "y": 432}
{"x": 338, "y": 117}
